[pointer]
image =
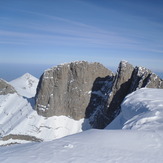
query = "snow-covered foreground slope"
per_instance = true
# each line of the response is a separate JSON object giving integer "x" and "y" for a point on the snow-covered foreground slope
{"x": 108, "y": 146}
{"x": 141, "y": 110}
{"x": 17, "y": 117}
{"x": 25, "y": 85}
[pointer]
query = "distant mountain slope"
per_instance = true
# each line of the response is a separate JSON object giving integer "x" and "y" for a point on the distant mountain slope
{"x": 141, "y": 110}
{"x": 25, "y": 85}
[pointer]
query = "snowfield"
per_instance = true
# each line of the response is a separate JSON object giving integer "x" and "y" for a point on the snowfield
{"x": 135, "y": 136}
{"x": 17, "y": 117}
{"x": 105, "y": 146}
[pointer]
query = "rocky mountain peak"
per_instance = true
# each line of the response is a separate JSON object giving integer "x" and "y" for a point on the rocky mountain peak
{"x": 89, "y": 90}
{"x": 66, "y": 89}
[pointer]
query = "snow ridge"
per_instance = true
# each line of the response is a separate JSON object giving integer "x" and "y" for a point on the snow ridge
{"x": 141, "y": 110}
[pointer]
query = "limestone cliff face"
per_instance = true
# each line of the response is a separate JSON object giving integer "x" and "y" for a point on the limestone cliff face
{"x": 6, "y": 88}
{"x": 89, "y": 90}
{"x": 126, "y": 80}
{"x": 66, "y": 89}
{"x": 118, "y": 89}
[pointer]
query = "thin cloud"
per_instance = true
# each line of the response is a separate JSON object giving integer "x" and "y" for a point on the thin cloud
{"x": 76, "y": 33}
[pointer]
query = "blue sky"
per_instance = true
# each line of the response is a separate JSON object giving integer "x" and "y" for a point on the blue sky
{"x": 50, "y": 32}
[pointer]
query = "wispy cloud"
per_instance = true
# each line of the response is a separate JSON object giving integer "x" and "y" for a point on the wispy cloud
{"x": 67, "y": 32}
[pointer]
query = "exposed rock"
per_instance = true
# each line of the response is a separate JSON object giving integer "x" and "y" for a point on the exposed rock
{"x": 97, "y": 108}
{"x": 121, "y": 86}
{"x": 89, "y": 90}
{"x": 66, "y": 89}
{"x": 21, "y": 137}
{"x": 143, "y": 77}
{"x": 104, "y": 113}
{"x": 127, "y": 80}
{"x": 6, "y": 88}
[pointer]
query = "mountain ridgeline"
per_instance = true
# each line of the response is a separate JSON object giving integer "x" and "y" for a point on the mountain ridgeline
{"x": 89, "y": 90}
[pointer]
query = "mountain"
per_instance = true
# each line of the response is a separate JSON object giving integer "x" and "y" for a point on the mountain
{"x": 70, "y": 98}
{"x": 66, "y": 89}
{"x": 25, "y": 85}
{"x": 89, "y": 90}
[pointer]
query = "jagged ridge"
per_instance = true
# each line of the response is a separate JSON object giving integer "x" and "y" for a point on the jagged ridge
{"x": 89, "y": 90}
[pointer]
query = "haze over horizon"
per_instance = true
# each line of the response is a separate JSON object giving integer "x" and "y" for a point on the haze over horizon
{"x": 37, "y": 33}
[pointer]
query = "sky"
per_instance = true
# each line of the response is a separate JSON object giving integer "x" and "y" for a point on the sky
{"x": 37, "y": 34}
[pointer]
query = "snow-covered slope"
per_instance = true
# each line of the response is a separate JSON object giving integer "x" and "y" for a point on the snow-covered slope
{"x": 19, "y": 122}
{"x": 104, "y": 146}
{"x": 141, "y": 110}
{"x": 25, "y": 85}
{"x": 13, "y": 110}
{"x": 17, "y": 117}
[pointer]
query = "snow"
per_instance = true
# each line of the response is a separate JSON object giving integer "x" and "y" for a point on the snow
{"x": 25, "y": 85}
{"x": 124, "y": 63}
{"x": 136, "y": 134}
{"x": 13, "y": 109}
{"x": 109, "y": 146}
{"x": 19, "y": 118}
{"x": 141, "y": 71}
{"x": 141, "y": 110}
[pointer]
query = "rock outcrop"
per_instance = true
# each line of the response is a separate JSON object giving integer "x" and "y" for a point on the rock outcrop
{"x": 143, "y": 77}
{"x": 118, "y": 89}
{"x": 89, "y": 90}
{"x": 66, "y": 89}
{"x": 126, "y": 80}
{"x": 6, "y": 88}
